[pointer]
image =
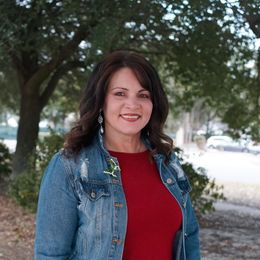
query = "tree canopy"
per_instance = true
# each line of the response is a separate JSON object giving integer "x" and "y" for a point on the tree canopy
{"x": 201, "y": 45}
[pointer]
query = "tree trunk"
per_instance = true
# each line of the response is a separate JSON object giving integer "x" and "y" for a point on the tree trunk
{"x": 28, "y": 129}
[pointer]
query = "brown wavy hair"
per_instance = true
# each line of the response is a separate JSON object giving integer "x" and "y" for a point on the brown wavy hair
{"x": 95, "y": 92}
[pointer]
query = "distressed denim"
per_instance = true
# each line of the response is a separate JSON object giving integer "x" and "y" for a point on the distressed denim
{"x": 82, "y": 211}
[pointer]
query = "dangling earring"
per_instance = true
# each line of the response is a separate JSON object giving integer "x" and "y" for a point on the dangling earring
{"x": 100, "y": 121}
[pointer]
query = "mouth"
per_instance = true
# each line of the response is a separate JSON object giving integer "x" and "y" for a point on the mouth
{"x": 130, "y": 117}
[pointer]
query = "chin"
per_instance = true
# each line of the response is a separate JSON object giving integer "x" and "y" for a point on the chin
{"x": 131, "y": 131}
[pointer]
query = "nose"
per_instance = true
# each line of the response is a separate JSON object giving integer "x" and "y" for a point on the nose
{"x": 133, "y": 103}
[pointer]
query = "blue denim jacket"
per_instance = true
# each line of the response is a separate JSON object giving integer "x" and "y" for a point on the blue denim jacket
{"x": 82, "y": 211}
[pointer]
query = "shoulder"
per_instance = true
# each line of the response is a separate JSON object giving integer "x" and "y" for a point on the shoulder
{"x": 180, "y": 175}
{"x": 73, "y": 163}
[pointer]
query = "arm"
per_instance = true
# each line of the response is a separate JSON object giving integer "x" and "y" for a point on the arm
{"x": 56, "y": 221}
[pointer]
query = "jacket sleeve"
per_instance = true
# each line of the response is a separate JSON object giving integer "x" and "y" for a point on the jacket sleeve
{"x": 191, "y": 236}
{"x": 56, "y": 220}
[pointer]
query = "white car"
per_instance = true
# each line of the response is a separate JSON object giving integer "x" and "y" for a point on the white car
{"x": 226, "y": 143}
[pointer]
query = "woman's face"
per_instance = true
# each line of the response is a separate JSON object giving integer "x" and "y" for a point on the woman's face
{"x": 128, "y": 106}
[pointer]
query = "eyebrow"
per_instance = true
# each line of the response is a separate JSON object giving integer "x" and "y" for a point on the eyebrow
{"x": 141, "y": 90}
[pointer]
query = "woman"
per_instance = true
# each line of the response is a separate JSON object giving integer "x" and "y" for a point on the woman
{"x": 116, "y": 190}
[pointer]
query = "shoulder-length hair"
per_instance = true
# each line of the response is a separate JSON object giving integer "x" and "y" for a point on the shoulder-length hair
{"x": 94, "y": 95}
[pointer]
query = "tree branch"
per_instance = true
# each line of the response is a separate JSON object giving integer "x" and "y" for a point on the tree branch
{"x": 254, "y": 24}
{"x": 58, "y": 74}
{"x": 66, "y": 51}
{"x": 17, "y": 63}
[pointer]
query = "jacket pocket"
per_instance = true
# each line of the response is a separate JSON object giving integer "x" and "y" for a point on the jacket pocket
{"x": 94, "y": 191}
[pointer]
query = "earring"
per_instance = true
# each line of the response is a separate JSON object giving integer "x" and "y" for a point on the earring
{"x": 100, "y": 121}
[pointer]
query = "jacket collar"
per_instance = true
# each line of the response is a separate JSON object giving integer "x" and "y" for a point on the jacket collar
{"x": 181, "y": 178}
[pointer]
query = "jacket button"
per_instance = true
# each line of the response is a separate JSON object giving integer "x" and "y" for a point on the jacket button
{"x": 116, "y": 241}
{"x": 93, "y": 195}
{"x": 169, "y": 181}
{"x": 118, "y": 205}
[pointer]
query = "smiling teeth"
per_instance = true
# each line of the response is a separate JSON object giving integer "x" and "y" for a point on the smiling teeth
{"x": 131, "y": 117}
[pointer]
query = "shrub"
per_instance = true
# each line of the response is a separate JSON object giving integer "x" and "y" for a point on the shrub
{"x": 46, "y": 148}
{"x": 25, "y": 187}
{"x": 204, "y": 190}
{"x": 5, "y": 162}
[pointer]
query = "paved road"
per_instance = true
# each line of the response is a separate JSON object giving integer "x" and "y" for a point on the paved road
{"x": 238, "y": 173}
{"x": 227, "y": 166}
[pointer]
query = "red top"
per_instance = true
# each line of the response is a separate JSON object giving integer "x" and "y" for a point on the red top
{"x": 154, "y": 215}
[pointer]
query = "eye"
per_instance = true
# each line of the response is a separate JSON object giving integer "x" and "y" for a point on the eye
{"x": 144, "y": 95}
{"x": 119, "y": 93}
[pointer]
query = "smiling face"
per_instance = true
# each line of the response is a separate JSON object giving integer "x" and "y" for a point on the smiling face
{"x": 128, "y": 106}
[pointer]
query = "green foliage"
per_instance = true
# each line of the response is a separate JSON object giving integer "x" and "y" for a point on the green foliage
{"x": 204, "y": 190}
{"x": 25, "y": 187}
{"x": 46, "y": 149}
{"x": 194, "y": 39}
{"x": 5, "y": 162}
{"x": 202, "y": 45}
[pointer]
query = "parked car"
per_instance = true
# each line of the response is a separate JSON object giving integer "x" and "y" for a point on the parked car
{"x": 226, "y": 143}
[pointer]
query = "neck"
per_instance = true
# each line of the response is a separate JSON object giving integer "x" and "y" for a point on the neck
{"x": 126, "y": 144}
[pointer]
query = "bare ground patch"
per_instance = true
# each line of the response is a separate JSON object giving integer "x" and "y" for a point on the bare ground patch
{"x": 16, "y": 231}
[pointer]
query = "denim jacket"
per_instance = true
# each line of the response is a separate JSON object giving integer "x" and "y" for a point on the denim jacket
{"x": 82, "y": 211}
